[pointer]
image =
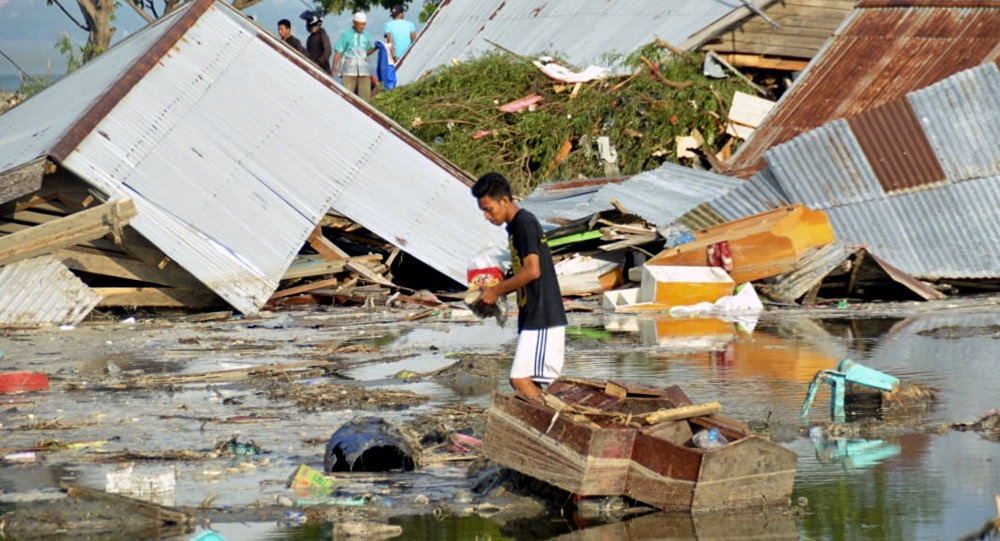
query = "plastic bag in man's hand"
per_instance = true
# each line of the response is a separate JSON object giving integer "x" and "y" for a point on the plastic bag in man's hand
{"x": 483, "y": 311}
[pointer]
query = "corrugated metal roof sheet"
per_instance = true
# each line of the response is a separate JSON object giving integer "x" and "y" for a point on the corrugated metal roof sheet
{"x": 659, "y": 196}
{"x": 233, "y": 148}
{"x": 582, "y": 31}
{"x": 42, "y": 291}
{"x": 946, "y": 229}
{"x": 882, "y": 51}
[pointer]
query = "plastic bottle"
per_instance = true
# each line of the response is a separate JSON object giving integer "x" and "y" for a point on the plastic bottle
{"x": 709, "y": 439}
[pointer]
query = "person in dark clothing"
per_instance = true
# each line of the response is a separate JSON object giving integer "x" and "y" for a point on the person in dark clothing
{"x": 318, "y": 44}
{"x": 541, "y": 319}
{"x": 285, "y": 31}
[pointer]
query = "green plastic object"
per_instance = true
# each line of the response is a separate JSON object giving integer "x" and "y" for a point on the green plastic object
{"x": 570, "y": 239}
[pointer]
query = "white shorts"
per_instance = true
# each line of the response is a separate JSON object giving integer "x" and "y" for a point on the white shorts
{"x": 539, "y": 354}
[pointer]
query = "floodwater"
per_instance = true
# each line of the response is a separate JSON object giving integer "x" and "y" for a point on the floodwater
{"x": 913, "y": 484}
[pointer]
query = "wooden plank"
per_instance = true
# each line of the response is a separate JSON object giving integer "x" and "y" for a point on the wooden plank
{"x": 35, "y": 217}
{"x": 156, "y": 297}
{"x": 22, "y": 180}
{"x": 323, "y": 246}
{"x": 764, "y": 62}
{"x": 332, "y": 252}
{"x": 82, "y": 226}
{"x": 304, "y": 288}
{"x": 306, "y": 266}
{"x": 163, "y": 513}
{"x": 119, "y": 266}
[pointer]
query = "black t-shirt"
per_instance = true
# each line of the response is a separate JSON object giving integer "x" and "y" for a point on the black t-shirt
{"x": 539, "y": 303}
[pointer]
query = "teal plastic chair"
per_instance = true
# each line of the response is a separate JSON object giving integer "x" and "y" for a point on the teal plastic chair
{"x": 847, "y": 371}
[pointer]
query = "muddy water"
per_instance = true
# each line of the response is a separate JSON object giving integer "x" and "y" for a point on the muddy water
{"x": 910, "y": 484}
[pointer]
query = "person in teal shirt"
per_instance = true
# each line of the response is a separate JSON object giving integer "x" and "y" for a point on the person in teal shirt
{"x": 353, "y": 47}
{"x": 400, "y": 34}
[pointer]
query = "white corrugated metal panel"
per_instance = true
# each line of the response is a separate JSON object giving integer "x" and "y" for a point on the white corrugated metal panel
{"x": 232, "y": 154}
{"x": 659, "y": 196}
{"x": 665, "y": 194}
{"x": 824, "y": 167}
{"x": 29, "y": 130}
{"x": 42, "y": 291}
{"x": 961, "y": 117}
{"x": 582, "y": 31}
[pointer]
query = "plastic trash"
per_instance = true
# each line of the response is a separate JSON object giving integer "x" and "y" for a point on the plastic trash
{"x": 371, "y": 444}
{"x": 22, "y": 382}
{"x": 709, "y": 439}
{"x": 484, "y": 268}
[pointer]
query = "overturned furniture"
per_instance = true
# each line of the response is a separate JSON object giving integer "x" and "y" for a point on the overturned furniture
{"x": 755, "y": 247}
{"x": 606, "y": 439}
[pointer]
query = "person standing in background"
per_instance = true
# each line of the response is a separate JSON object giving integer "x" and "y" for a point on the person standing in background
{"x": 354, "y": 46}
{"x": 400, "y": 34}
{"x": 318, "y": 44}
{"x": 285, "y": 31}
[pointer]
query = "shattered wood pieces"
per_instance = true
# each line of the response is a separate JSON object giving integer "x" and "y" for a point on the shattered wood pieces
{"x": 118, "y": 457}
{"x": 330, "y": 396}
{"x": 298, "y": 369}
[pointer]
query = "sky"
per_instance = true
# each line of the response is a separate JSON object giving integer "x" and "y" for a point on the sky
{"x": 29, "y": 28}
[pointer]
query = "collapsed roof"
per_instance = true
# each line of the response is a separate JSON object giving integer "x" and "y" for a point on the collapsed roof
{"x": 884, "y": 49}
{"x": 233, "y": 147}
{"x": 915, "y": 179}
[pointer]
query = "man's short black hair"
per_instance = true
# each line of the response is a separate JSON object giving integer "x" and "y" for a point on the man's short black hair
{"x": 493, "y": 185}
{"x": 285, "y": 22}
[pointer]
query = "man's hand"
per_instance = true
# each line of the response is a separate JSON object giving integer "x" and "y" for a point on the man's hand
{"x": 489, "y": 295}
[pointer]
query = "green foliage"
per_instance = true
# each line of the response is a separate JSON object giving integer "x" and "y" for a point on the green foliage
{"x": 642, "y": 117}
{"x": 66, "y": 47}
{"x": 340, "y": 6}
{"x": 33, "y": 84}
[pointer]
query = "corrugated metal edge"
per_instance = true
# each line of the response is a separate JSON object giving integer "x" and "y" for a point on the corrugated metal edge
{"x": 185, "y": 18}
{"x": 735, "y": 164}
{"x": 812, "y": 269}
{"x": 724, "y": 24}
{"x": 42, "y": 291}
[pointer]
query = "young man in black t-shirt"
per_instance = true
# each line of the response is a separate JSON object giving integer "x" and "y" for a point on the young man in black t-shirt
{"x": 541, "y": 319}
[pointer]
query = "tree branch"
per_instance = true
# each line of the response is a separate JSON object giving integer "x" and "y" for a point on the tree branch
{"x": 142, "y": 13}
{"x": 243, "y": 4}
{"x": 82, "y": 26}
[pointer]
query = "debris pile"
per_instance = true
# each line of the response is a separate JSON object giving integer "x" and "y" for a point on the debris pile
{"x": 612, "y": 126}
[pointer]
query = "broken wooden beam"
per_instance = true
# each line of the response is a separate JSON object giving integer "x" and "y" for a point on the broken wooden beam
{"x": 118, "y": 266}
{"x": 157, "y": 297}
{"x": 682, "y": 412}
{"x": 87, "y": 225}
{"x": 304, "y": 288}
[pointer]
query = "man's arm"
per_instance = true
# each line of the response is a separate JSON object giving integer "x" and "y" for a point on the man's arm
{"x": 391, "y": 47}
{"x": 529, "y": 272}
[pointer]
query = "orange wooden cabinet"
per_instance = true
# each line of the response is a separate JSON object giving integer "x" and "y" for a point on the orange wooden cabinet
{"x": 763, "y": 245}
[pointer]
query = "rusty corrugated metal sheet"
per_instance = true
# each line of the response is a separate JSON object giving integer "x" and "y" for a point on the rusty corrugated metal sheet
{"x": 897, "y": 149}
{"x": 949, "y": 228}
{"x": 42, "y": 291}
{"x": 878, "y": 55}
